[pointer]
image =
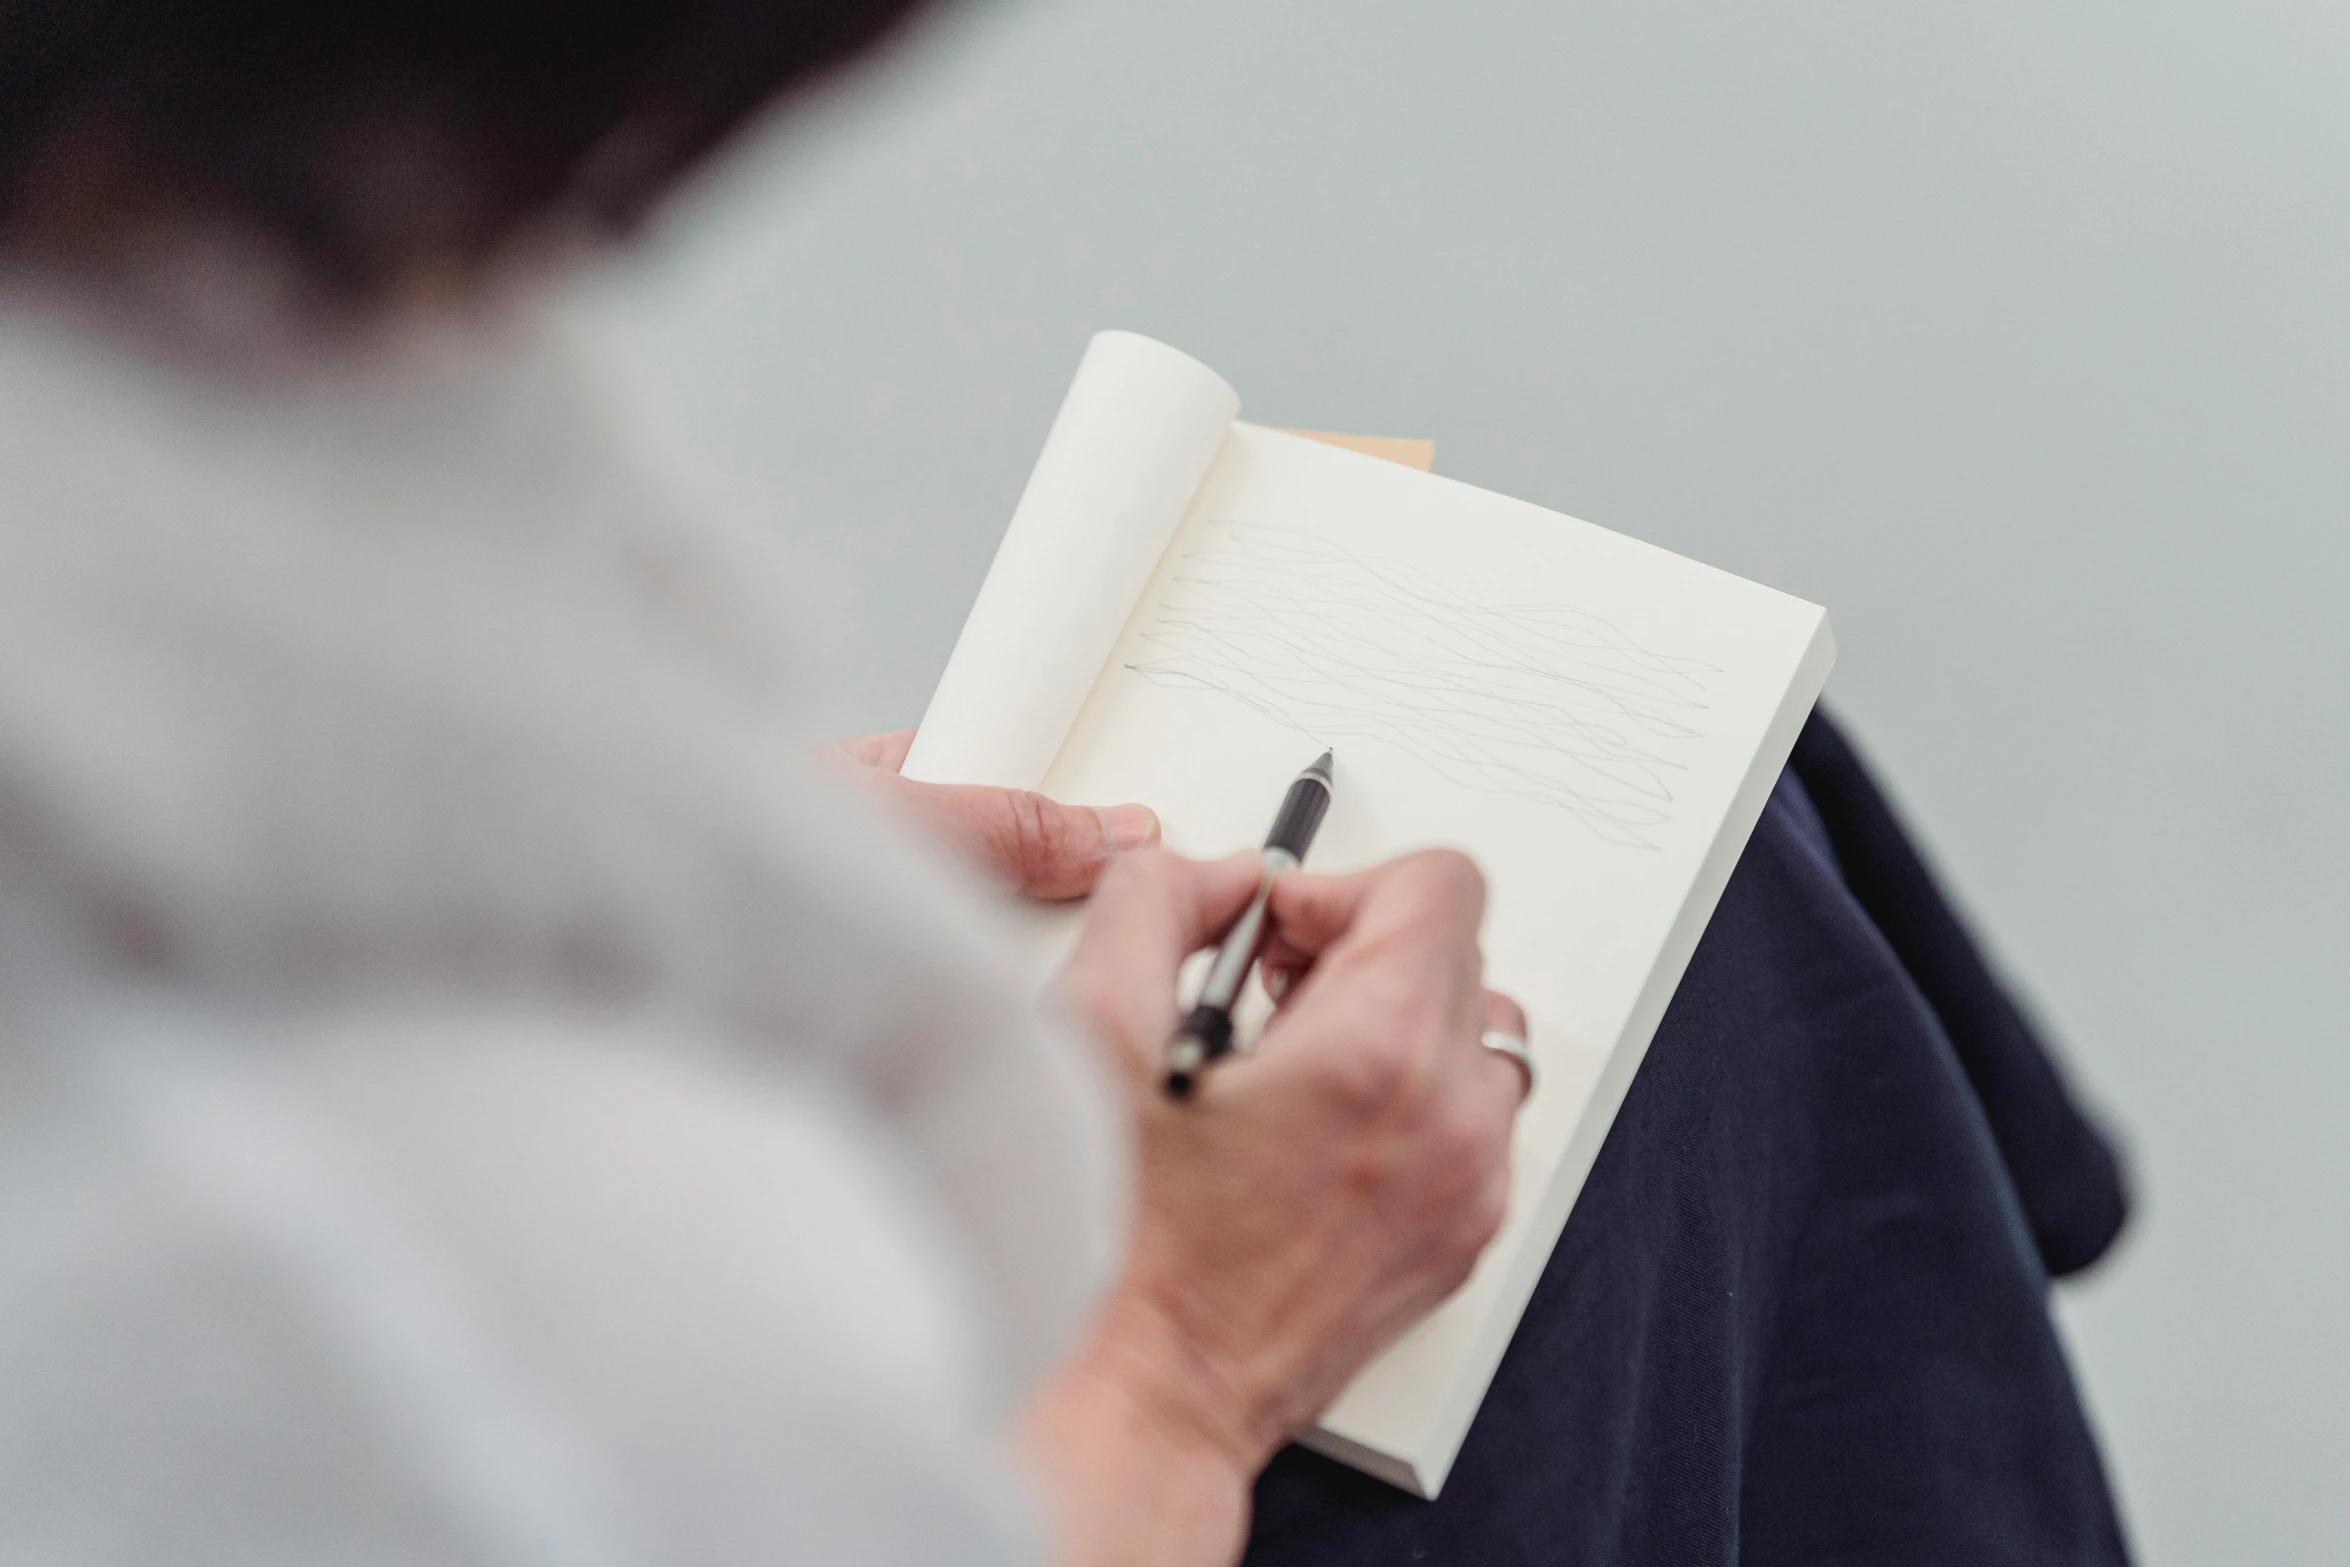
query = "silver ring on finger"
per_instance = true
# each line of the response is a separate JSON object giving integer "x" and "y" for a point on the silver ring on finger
{"x": 1515, "y": 1048}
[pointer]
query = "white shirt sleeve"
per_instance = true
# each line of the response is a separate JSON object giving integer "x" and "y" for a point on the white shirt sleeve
{"x": 472, "y": 1290}
{"x": 469, "y": 1089}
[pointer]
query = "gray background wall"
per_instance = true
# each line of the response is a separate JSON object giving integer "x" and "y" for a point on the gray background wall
{"x": 2016, "y": 333}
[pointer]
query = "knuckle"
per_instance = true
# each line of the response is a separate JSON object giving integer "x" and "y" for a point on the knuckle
{"x": 1034, "y": 831}
{"x": 1373, "y": 1077}
{"x": 1391, "y": 1017}
{"x": 1435, "y": 889}
{"x": 1452, "y": 877}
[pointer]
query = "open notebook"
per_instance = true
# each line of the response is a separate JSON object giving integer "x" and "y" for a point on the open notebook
{"x": 1187, "y": 608}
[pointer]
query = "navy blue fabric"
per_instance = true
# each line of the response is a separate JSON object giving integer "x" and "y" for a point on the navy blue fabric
{"x": 1800, "y": 1311}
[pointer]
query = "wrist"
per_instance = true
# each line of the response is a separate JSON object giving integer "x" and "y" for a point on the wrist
{"x": 1188, "y": 1393}
{"x": 1147, "y": 1453}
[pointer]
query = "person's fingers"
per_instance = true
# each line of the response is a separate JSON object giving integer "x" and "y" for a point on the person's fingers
{"x": 1437, "y": 891}
{"x": 1037, "y": 844}
{"x": 1504, "y": 1016}
{"x": 887, "y": 752}
{"x": 1040, "y": 846}
{"x": 1306, "y": 913}
{"x": 1151, "y": 912}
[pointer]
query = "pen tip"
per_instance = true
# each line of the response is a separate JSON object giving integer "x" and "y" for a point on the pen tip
{"x": 1323, "y": 764}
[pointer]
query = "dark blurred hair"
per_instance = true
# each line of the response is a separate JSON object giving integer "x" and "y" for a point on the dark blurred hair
{"x": 368, "y": 136}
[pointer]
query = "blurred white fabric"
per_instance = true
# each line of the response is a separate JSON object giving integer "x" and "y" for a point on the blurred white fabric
{"x": 470, "y": 1090}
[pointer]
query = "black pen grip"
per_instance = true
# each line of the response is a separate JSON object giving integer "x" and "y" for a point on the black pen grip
{"x": 1210, "y": 1030}
{"x": 1302, "y": 810}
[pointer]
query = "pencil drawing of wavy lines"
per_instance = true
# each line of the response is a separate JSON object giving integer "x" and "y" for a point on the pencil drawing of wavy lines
{"x": 1542, "y": 701}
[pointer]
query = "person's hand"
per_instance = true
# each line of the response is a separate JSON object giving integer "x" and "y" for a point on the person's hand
{"x": 1311, "y": 1200}
{"x": 1320, "y": 1194}
{"x": 1036, "y": 845}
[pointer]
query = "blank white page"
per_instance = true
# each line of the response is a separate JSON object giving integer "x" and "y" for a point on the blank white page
{"x": 1595, "y": 720}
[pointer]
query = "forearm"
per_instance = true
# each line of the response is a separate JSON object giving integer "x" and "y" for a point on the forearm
{"x": 1138, "y": 1453}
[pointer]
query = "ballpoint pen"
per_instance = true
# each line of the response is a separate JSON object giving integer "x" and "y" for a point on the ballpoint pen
{"x": 1207, "y": 1033}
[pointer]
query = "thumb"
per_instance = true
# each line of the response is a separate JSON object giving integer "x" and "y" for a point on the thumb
{"x": 1037, "y": 844}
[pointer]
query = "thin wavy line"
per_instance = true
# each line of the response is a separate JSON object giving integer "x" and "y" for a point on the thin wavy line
{"x": 1544, "y": 702}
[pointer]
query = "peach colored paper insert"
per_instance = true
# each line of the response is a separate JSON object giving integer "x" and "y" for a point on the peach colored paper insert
{"x": 1393, "y": 448}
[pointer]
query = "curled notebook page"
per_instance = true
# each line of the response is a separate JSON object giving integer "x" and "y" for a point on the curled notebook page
{"x": 1134, "y": 438}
